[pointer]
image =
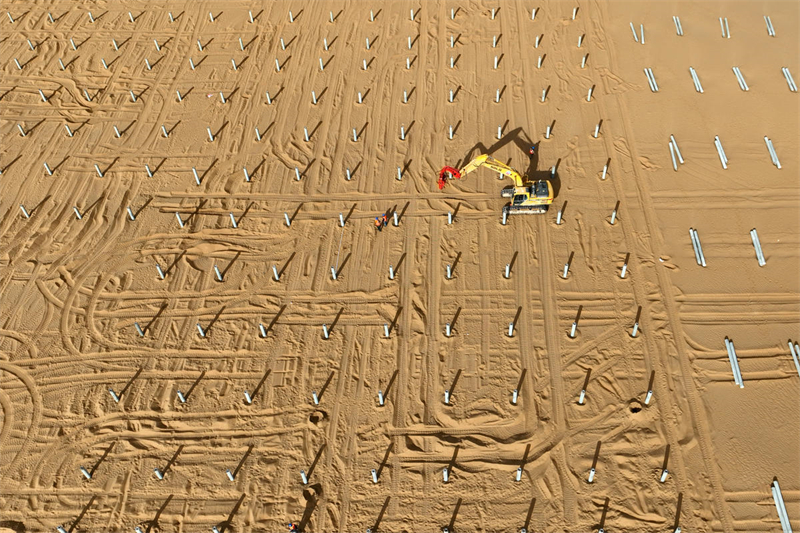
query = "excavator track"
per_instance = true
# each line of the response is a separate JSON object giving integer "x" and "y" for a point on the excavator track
{"x": 526, "y": 210}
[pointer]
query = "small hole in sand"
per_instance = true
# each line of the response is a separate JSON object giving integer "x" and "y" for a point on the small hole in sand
{"x": 317, "y": 417}
{"x": 635, "y": 406}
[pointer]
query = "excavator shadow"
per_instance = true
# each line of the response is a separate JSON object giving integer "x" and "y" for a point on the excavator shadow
{"x": 522, "y": 141}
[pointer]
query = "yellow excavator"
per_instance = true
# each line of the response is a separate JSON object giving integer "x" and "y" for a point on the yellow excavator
{"x": 527, "y": 197}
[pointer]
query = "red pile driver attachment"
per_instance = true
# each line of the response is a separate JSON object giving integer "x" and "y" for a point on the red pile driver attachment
{"x": 447, "y": 173}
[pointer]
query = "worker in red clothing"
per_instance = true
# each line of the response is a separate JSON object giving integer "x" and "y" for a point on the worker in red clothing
{"x": 293, "y": 527}
{"x": 378, "y": 224}
{"x": 385, "y": 220}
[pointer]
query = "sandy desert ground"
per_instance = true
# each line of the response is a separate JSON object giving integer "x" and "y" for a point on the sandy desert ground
{"x": 75, "y": 290}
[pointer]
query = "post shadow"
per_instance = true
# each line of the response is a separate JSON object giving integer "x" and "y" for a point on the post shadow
{"x": 513, "y": 260}
{"x": 102, "y": 458}
{"x": 40, "y": 204}
{"x": 214, "y": 320}
{"x": 170, "y": 267}
{"x": 363, "y": 129}
{"x": 111, "y": 165}
{"x": 207, "y": 170}
{"x": 336, "y": 320}
{"x": 325, "y": 385}
{"x": 455, "y": 318}
{"x": 516, "y": 317}
{"x": 396, "y": 316}
{"x": 158, "y": 514}
{"x": 455, "y": 128}
{"x": 189, "y": 392}
{"x": 285, "y": 61}
{"x": 455, "y": 211}
{"x": 145, "y": 204}
{"x": 158, "y": 314}
{"x": 216, "y": 134}
{"x": 241, "y": 218}
{"x": 383, "y": 509}
{"x": 452, "y": 390}
{"x": 260, "y": 383}
{"x": 525, "y": 455}
{"x": 391, "y": 382}
{"x": 286, "y": 264}
{"x": 385, "y": 459}
{"x": 153, "y": 65}
{"x": 311, "y": 504}
{"x": 326, "y": 63}
{"x": 169, "y": 131}
{"x": 521, "y": 379}
{"x": 244, "y": 458}
{"x": 349, "y": 213}
{"x": 411, "y": 91}
{"x": 666, "y": 458}
{"x": 294, "y": 215}
{"x": 530, "y": 513}
{"x": 316, "y": 459}
{"x": 172, "y": 460}
{"x": 452, "y": 523}
{"x": 603, "y": 516}
{"x": 232, "y": 514}
{"x": 235, "y": 90}
{"x": 399, "y": 262}
{"x": 355, "y": 169}
{"x": 92, "y": 205}
{"x": 60, "y": 163}
{"x": 80, "y": 126}
{"x": 364, "y": 96}
{"x": 235, "y": 257}
{"x": 596, "y": 455}
{"x": 83, "y": 512}
{"x": 586, "y": 383}
{"x": 277, "y": 315}
{"x": 314, "y": 130}
{"x": 130, "y": 382}
{"x": 341, "y": 267}
{"x": 308, "y": 167}
{"x": 11, "y": 163}
{"x": 35, "y": 126}
{"x": 678, "y": 512}
{"x": 455, "y": 262}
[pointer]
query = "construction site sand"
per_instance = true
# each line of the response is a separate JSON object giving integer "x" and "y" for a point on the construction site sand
{"x": 72, "y": 290}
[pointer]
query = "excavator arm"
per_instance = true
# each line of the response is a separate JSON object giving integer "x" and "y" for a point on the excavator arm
{"x": 484, "y": 160}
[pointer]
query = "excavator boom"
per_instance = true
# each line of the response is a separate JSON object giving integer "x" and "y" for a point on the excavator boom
{"x": 492, "y": 163}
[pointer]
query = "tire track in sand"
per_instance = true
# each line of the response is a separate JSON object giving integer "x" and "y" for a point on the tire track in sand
{"x": 699, "y": 421}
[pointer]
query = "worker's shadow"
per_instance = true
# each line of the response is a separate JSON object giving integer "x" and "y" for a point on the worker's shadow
{"x": 523, "y": 142}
